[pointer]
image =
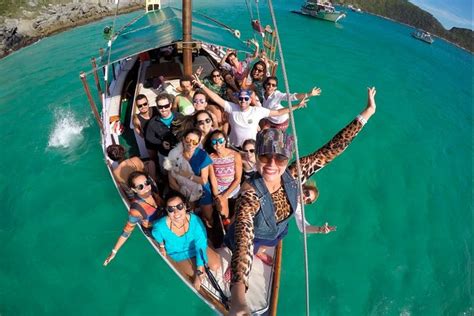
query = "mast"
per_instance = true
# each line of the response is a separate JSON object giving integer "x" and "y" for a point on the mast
{"x": 187, "y": 38}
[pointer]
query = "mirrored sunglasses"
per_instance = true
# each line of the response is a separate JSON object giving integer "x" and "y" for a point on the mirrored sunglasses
{"x": 172, "y": 209}
{"x": 217, "y": 140}
{"x": 191, "y": 142}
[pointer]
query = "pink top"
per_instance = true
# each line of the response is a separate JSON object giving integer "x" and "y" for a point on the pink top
{"x": 224, "y": 169}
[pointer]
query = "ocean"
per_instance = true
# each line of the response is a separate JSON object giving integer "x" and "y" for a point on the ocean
{"x": 400, "y": 195}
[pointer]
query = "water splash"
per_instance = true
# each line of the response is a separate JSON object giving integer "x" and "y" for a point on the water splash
{"x": 67, "y": 129}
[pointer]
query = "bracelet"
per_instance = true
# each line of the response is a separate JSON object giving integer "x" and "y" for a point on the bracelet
{"x": 361, "y": 119}
{"x": 114, "y": 251}
{"x": 161, "y": 245}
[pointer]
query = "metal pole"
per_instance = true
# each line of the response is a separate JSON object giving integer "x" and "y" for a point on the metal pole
{"x": 187, "y": 38}
{"x": 96, "y": 78}
{"x": 91, "y": 100}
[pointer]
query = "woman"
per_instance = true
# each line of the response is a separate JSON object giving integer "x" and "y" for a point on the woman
{"x": 310, "y": 195}
{"x": 227, "y": 172}
{"x": 239, "y": 69}
{"x": 125, "y": 167}
{"x": 215, "y": 82}
{"x": 257, "y": 222}
{"x": 144, "y": 209}
{"x": 254, "y": 81}
{"x": 248, "y": 159}
{"x": 182, "y": 237}
{"x": 200, "y": 163}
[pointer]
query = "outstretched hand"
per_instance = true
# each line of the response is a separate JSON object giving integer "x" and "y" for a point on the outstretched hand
{"x": 109, "y": 258}
{"x": 199, "y": 71}
{"x": 326, "y": 229}
{"x": 316, "y": 92}
{"x": 371, "y": 106}
{"x": 197, "y": 81}
{"x": 302, "y": 103}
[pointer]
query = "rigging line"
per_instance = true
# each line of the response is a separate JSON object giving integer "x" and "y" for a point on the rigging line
{"x": 298, "y": 165}
{"x": 249, "y": 8}
{"x": 110, "y": 43}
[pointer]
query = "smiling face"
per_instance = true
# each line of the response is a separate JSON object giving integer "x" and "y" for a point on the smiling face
{"x": 270, "y": 86}
{"x": 199, "y": 101}
{"x": 186, "y": 87}
{"x": 141, "y": 186}
{"x": 309, "y": 195}
{"x": 191, "y": 142}
{"x": 249, "y": 152}
{"x": 271, "y": 167}
{"x": 218, "y": 142}
{"x": 142, "y": 105}
{"x": 258, "y": 72}
{"x": 244, "y": 100}
{"x": 176, "y": 209}
{"x": 164, "y": 108}
{"x": 233, "y": 60}
{"x": 204, "y": 123}
{"x": 216, "y": 77}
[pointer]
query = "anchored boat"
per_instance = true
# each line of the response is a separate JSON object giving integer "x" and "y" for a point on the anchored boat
{"x": 324, "y": 11}
{"x": 423, "y": 36}
{"x": 167, "y": 43}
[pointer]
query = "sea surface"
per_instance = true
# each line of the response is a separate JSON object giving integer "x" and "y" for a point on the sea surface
{"x": 401, "y": 194}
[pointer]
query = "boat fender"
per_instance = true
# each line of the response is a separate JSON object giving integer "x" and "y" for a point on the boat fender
{"x": 237, "y": 33}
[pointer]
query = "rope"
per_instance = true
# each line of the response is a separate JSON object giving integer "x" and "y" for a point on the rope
{"x": 293, "y": 127}
{"x": 249, "y": 8}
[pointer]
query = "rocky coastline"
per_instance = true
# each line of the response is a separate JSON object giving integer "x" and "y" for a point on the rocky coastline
{"x": 40, "y": 22}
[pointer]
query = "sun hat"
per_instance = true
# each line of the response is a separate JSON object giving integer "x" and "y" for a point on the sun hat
{"x": 274, "y": 141}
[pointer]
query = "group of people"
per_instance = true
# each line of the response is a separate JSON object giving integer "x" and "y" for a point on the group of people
{"x": 225, "y": 138}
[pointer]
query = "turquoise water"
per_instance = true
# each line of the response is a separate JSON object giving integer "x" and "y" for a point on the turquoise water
{"x": 401, "y": 195}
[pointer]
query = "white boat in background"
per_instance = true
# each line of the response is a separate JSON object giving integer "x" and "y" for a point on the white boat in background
{"x": 168, "y": 43}
{"x": 354, "y": 9}
{"x": 324, "y": 11}
{"x": 423, "y": 36}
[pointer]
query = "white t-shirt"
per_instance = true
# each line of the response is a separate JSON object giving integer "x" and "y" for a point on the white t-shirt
{"x": 273, "y": 102}
{"x": 244, "y": 125}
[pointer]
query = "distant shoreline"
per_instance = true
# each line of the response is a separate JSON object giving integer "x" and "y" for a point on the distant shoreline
{"x": 20, "y": 33}
{"x": 411, "y": 26}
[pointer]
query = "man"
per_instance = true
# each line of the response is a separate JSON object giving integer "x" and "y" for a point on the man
{"x": 160, "y": 134}
{"x": 140, "y": 120}
{"x": 183, "y": 103}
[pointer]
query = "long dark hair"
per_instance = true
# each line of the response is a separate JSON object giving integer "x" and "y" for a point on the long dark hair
{"x": 208, "y": 144}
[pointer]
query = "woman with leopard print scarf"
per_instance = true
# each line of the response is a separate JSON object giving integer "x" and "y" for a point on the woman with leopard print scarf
{"x": 269, "y": 200}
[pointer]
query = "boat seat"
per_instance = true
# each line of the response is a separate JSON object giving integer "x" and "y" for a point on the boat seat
{"x": 171, "y": 69}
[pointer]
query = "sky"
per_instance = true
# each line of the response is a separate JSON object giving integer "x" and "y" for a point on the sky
{"x": 449, "y": 12}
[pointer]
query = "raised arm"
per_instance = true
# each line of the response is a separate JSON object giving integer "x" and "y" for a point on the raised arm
{"x": 214, "y": 96}
{"x": 324, "y": 155}
{"x": 133, "y": 219}
{"x": 313, "y": 93}
{"x": 283, "y": 111}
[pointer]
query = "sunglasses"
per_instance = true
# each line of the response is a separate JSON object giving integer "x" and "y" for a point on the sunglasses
{"x": 142, "y": 105}
{"x": 216, "y": 76}
{"x": 217, "y": 141}
{"x": 271, "y": 84}
{"x": 249, "y": 150}
{"x": 206, "y": 121}
{"x": 141, "y": 186}
{"x": 258, "y": 69}
{"x": 164, "y": 106}
{"x": 244, "y": 99}
{"x": 172, "y": 209}
{"x": 280, "y": 160}
{"x": 200, "y": 101}
{"x": 191, "y": 141}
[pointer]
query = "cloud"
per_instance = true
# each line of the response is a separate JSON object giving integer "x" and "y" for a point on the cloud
{"x": 448, "y": 19}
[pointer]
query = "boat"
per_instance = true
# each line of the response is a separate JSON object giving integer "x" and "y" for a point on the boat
{"x": 324, "y": 11}
{"x": 423, "y": 36}
{"x": 167, "y": 43}
{"x": 354, "y": 8}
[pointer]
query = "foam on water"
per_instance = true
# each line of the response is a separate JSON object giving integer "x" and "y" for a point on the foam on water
{"x": 67, "y": 129}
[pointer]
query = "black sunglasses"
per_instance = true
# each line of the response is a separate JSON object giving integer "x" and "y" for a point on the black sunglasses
{"x": 164, "y": 106}
{"x": 143, "y": 185}
{"x": 249, "y": 150}
{"x": 179, "y": 207}
{"x": 142, "y": 105}
{"x": 202, "y": 122}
